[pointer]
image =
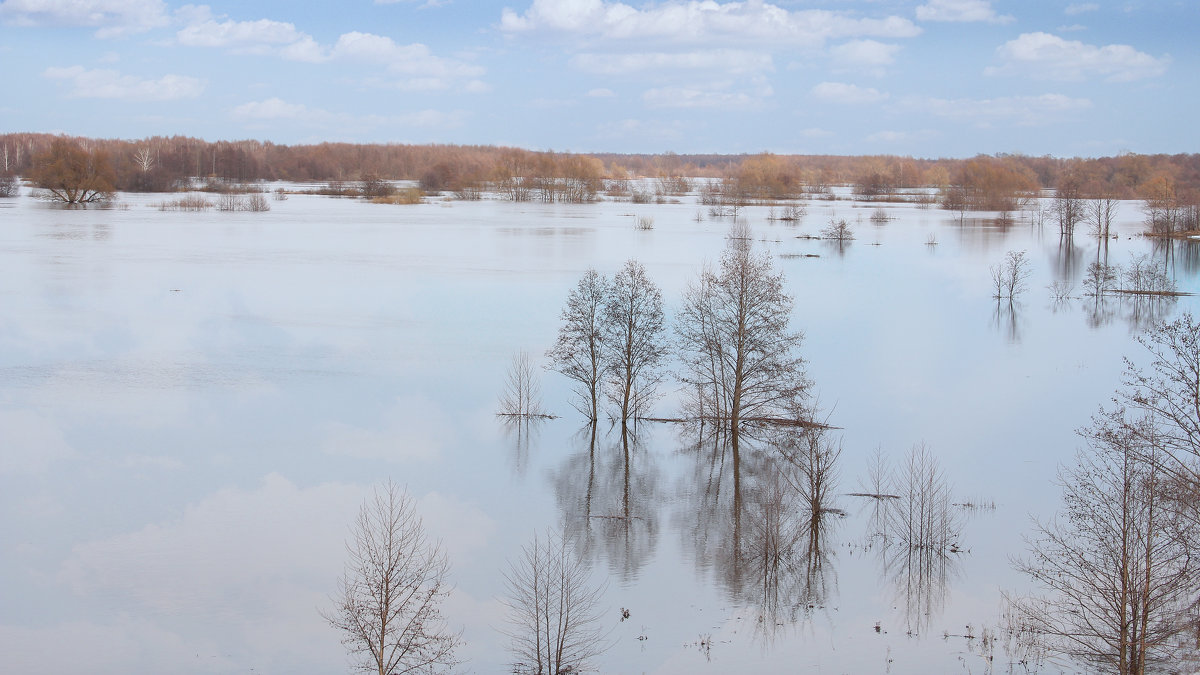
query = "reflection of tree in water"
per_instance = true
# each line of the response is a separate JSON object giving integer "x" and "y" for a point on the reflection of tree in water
{"x": 919, "y": 527}
{"x": 748, "y": 523}
{"x": 1006, "y": 320}
{"x": 607, "y": 492}
{"x": 521, "y": 432}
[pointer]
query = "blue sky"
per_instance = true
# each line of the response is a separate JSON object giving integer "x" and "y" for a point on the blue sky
{"x": 926, "y": 78}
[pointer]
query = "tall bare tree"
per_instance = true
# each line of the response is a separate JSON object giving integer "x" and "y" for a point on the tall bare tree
{"x": 741, "y": 356}
{"x": 633, "y": 332}
{"x": 578, "y": 352}
{"x": 388, "y": 603}
{"x": 1119, "y": 568}
{"x": 553, "y": 610}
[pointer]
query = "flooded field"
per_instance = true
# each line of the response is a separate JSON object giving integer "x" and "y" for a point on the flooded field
{"x": 194, "y": 405}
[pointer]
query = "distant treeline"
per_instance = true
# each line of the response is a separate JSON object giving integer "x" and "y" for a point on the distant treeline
{"x": 159, "y": 164}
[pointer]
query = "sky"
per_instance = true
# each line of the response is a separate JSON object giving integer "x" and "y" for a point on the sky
{"x": 927, "y": 78}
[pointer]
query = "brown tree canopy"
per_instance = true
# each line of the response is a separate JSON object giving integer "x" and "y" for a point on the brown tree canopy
{"x": 72, "y": 175}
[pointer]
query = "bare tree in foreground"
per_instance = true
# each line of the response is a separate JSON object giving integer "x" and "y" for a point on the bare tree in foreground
{"x": 1119, "y": 567}
{"x": 554, "y": 613}
{"x": 579, "y": 351}
{"x": 389, "y": 597}
{"x": 742, "y": 358}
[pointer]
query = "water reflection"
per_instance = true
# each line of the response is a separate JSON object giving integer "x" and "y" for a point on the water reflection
{"x": 919, "y": 528}
{"x": 521, "y": 432}
{"x": 607, "y": 492}
{"x": 1006, "y": 320}
{"x": 750, "y": 525}
{"x": 1068, "y": 260}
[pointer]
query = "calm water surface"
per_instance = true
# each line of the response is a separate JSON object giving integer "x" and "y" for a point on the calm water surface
{"x": 193, "y": 405}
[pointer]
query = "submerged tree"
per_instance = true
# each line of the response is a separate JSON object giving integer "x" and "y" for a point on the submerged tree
{"x": 522, "y": 395}
{"x": 742, "y": 358}
{"x": 554, "y": 610}
{"x": 579, "y": 351}
{"x": 1119, "y": 568}
{"x": 388, "y": 607}
{"x": 72, "y": 175}
{"x": 633, "y": 333}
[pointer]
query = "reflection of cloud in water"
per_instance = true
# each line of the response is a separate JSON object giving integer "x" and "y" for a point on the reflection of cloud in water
{"x": 30, "y": 443}
{"x": 521, "y": 433}
{"x": 608, "y": 494}
{"x": 245, "y": 567}
{"x": 414, "y": 428}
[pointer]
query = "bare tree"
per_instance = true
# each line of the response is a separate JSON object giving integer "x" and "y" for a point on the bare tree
{"x": 144, "y": 158}
{"x": 553, "y": 610}
{"x": 389, "y": 597}
{"x": 1101, "y": 210}
{"x": 1009, "y": 277}
{"x": 838, "y": 230}
{"x": 579, "y": 351}
{"x": 633, "y": 332}
{"x": 1168, "y": 391}
{"x": 10, "y": 186}
{"x": 522, "y": 395}
{"x": 1119, "y": 569}
{"x": 741, "y": 356}
{"x": 1069, "y": 204}
{"x": 69, "y": 174}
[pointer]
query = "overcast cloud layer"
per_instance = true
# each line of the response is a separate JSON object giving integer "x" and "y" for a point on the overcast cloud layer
{"x": 924, "y": 77}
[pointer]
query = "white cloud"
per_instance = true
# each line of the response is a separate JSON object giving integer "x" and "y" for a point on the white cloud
{"x": 892, "y": 136}
{"x": 411, "y": 59}
{"x": 413, "y": 428}
{"x": 424, "y": 70}
{"x": 709, "y": 95}
{"x": 815, "y": 132}
{"x": 259, "y": 114}
{"x": 867, "y": 55}
{"x": 734, "y": 61}
{"x": 111, "y": 18}
{"x": 239, "y": 34}
{"x": 1046, "y": 56}
{"x": 601, "y": 92}
{"x": 1081, "y": 8}
{"x": 700, "y": 22}
{"x": 849, "y": 94}
{"x": 272, "y": 109}
{"x": 960, "y": 11}
{"x": 1022, "y": 110}
{"x": 102, "y": 83}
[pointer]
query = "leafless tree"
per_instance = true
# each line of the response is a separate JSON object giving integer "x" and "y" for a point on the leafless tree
{"x": 1101, "y": 210}
{"x": 144, "y": 158}
{"x": 741, "y": 356}
{"x": 1168, "y": 391}
{"x": 579, "y": 351}
{"x": 72, "y": 175}
{"x": 1009, "y": 277}
{"x": 553, "y": 610}
{"x": 838, "y": 230}
{"x": 1119, "y": 569}
{"x": 633, "y": 334}
{"x": 389, "y": 597}
{"x": 1099, "y": 278}
{"x": 1069, "y": 204}
{"x": 522, "y": 395}
{"x": 10, "y": 186}
{"x": 812, "y": 457}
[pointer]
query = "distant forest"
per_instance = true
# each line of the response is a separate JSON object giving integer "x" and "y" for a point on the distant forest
{"x": 160, "y": 164}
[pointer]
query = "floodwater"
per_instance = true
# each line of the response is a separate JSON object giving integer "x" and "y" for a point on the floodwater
{"x": 193, "y": 406}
